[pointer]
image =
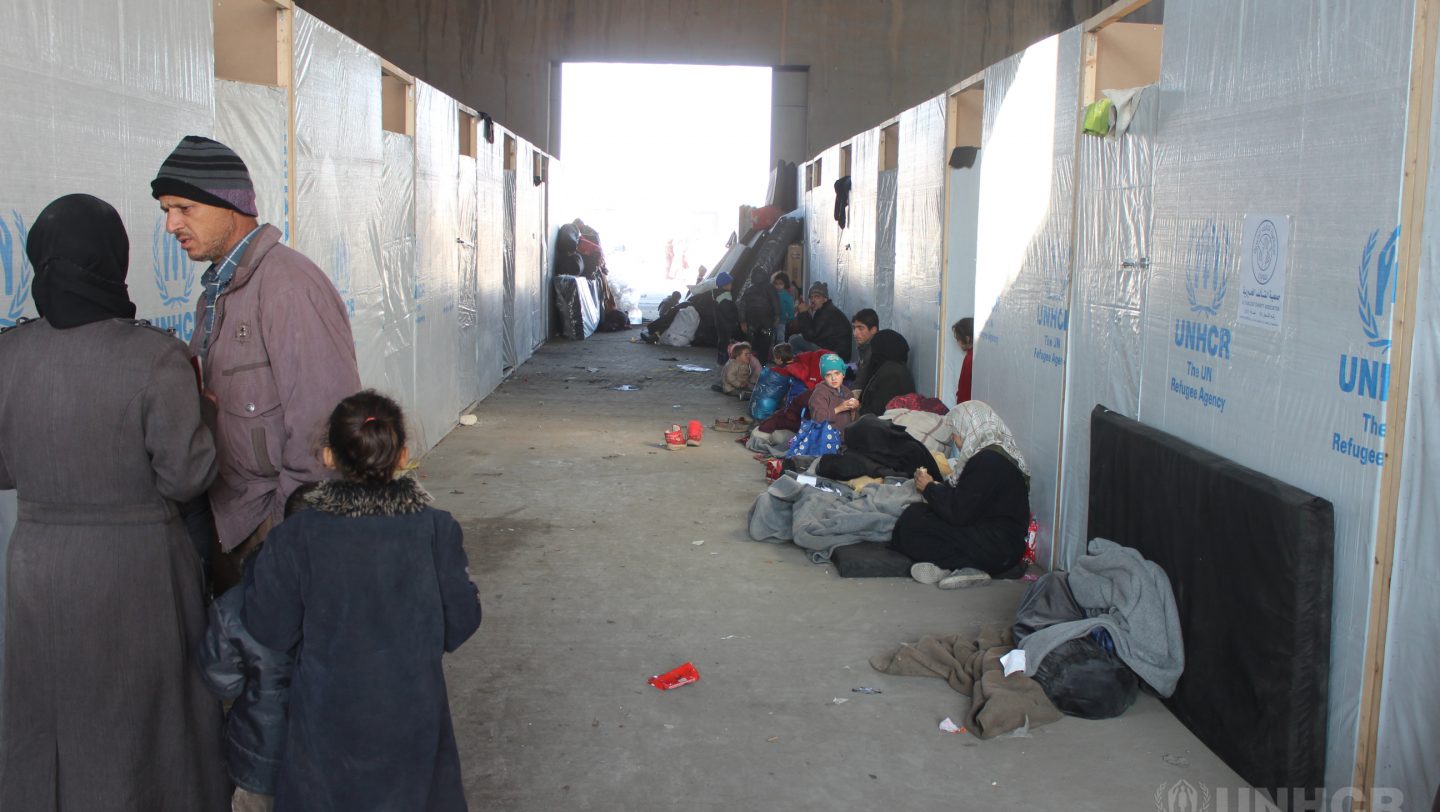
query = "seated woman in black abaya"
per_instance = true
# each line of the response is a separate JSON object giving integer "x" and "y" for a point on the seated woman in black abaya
{"x": 964, "y": 533}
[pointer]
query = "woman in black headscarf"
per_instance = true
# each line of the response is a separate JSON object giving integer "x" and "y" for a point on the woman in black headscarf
{"x": 886, "y": 374}
{"x": 100, "y": 436}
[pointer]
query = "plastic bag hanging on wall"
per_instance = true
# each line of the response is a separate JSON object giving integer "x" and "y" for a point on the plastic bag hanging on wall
{"x": 1099, "y": 118}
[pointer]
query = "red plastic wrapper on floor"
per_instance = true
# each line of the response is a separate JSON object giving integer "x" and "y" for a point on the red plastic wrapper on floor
{"x": 684, "y": 675}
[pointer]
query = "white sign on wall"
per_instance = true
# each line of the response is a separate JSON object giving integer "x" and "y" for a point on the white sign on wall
{"x": 1263, "y": 257}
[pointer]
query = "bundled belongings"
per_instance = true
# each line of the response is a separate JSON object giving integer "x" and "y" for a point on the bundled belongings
{"x": 971, "y": 664}
{"x": 1084, "y": 676}
{"x": 1131, "y": 600}
{"x": 828, "y": 514}
{"x": 874, "y": 447}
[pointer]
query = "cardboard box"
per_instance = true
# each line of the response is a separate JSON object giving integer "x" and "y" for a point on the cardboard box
{"x": 795, "y": 262}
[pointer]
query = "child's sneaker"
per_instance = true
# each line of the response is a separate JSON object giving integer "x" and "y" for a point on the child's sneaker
{"x": 696, "y": 432}
{"x": 962, "y": 579}
{"x": 675, "y": 438}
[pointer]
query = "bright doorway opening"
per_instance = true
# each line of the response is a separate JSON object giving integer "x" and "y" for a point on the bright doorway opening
{"x": 659, "y": 159}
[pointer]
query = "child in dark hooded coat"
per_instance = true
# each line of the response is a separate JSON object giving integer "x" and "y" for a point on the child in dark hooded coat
{"x": 368, "y": 589}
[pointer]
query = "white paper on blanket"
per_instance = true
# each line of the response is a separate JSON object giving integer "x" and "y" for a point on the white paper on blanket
{"x": 1014, "y": 661}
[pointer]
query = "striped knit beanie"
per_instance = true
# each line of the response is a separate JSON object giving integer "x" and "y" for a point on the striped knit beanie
{"x": 208, "y": 172}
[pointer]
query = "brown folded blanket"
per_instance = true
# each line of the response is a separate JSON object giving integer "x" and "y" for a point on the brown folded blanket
{"x": 998, "y": 704}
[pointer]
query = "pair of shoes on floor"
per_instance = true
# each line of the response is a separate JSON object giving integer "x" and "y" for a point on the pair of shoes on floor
{"x": 677, "y": 438}
{"x": 736, "y": 424}
{"x": 927, "y": 573}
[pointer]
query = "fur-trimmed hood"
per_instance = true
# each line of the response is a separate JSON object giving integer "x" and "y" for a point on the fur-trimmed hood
{"x": 344, "y": 497}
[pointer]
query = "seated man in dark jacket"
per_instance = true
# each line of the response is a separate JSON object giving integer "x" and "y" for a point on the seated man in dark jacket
{"x": 821, "y": 325}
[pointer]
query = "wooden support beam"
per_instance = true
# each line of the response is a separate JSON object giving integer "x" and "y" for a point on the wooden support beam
{"x": 285, "y": 76}
{"x": 1114, "y": 14}
{"x": 1415, "y": 178}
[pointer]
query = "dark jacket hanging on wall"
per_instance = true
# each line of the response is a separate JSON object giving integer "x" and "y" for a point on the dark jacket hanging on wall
{"x": 842, "y": 200}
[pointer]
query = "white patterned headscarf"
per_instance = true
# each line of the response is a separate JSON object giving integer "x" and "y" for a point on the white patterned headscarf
{"x": 978, "y": 426}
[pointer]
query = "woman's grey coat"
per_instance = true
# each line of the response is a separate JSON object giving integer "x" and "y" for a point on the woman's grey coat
{"x": 100, "y": 435}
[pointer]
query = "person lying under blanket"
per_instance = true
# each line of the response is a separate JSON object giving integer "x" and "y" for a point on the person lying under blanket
{"x": 964, "y": 533}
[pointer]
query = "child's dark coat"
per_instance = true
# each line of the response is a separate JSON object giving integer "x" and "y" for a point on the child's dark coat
{"x": 372, "y": 586}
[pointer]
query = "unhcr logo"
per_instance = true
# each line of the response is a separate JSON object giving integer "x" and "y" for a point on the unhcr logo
{"x": 1372, "y": 309}
{"x": 1207, "y": 276}
{"x": 341, "y": 274}
{"x": 1056, "y": 279}
{"x": 1370, "y": 377}
{"x": 174, "y": 272}
{"x": 16, "y": 267}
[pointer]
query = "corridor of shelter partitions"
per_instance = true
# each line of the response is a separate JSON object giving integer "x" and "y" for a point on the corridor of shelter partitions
{"x": 1081, "y": 367}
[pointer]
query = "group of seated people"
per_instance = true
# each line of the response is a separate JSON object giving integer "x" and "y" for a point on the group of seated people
{"x": 973, "y": 515}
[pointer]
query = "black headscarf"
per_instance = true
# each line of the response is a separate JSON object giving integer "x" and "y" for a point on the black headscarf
{"x": 81, "y": 254}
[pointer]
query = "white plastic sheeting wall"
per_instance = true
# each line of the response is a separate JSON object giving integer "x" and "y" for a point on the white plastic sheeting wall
{"x": 489, "y": 265}
{"x": 961, "y": 235}
{"x": 1024, "y": 253}
{"x": 1114, "y": 209}
{"x": 254, "y": 120}
{"x": 399, "y": 222}
{"x": 342, "y": 162}
{"x": 1408, "y": 752}
{"x": 919, "y": 239}
{"x": 437, "y": 270}
{"x": 844, "y": 259}
{"x": 1293, "y": 111}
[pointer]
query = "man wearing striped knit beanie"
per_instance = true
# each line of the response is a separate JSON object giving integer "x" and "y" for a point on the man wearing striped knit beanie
{"x": 272, "y": 337}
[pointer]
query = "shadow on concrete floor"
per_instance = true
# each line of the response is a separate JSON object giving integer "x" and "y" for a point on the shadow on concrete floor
{"x": 584, "y": 535}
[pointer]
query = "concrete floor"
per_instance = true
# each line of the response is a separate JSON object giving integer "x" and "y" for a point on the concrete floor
{"x": 584, "y": 535}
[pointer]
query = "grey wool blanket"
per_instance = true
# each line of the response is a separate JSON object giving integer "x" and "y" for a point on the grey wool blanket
{"x": 819, "y": 520}
{"x": 971, "y": 665}
{"x": 1131, "y": 599}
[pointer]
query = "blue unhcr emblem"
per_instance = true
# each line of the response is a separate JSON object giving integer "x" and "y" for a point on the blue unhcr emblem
{"x": 1371, "y": 311}
{"x": 17, "y": 270}
{"x": 1206, "y": 272}
{"x": 174, "y": 272}
{"x": 340, "y": 272}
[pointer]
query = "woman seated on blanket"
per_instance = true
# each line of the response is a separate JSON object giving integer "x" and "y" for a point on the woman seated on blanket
{"x": 886, "y": 375}
{"x": 963, "y": 533}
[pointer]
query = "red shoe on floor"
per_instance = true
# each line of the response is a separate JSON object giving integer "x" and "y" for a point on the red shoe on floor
{"x": 697, "y": 431}
{"x": 675, "y": 438}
